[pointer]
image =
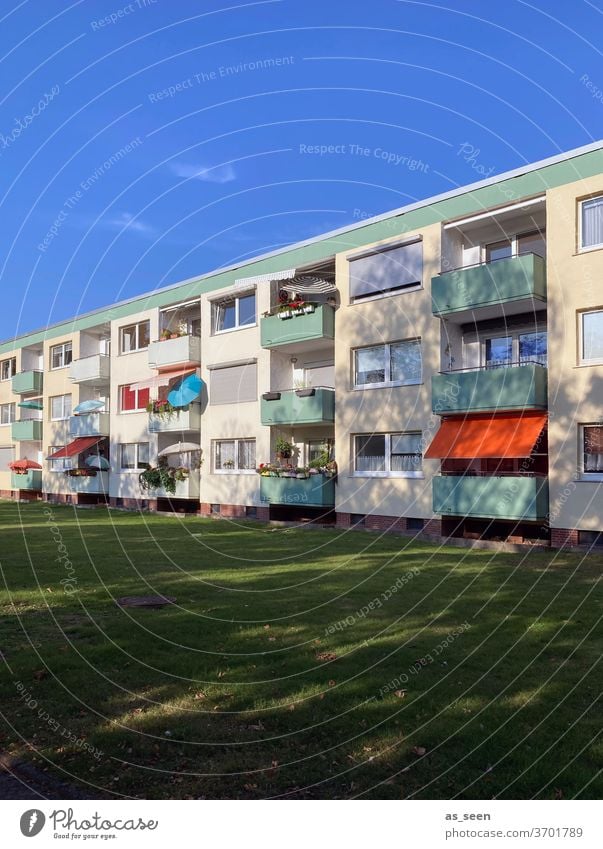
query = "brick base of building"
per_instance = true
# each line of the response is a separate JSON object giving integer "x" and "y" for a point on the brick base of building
{"x": 564, "y": 537}
{"x": 396, "y": 524}
{"x": 232, "y": 511}
{"x": 134, "y": 503}
{"x": 22, "y": 495}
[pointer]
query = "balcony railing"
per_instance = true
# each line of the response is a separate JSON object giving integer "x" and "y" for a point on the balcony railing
{"x": 187, "y": 418}
{"x": 513, "y": 386}
{"x": 97, "y": 484}
{"x": 277, "y": 331}
{"x": 90, "y": 424}
{"x": 167, "y": 353}
{"x": 514, "y": 497}
{"x": 296, "y": 407}
{"x": 516, "y": 278}
{"x": 313, "y": 491}
{"x": 27, "y": 430}
{"x": 188, "y": 488}
{"x": 93, "y": 369}
{"x": 31, "y": 480}
{"x": 28, "y": 383}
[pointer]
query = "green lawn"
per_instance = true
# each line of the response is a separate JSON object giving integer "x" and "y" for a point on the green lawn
{"x": 246, "y": 689}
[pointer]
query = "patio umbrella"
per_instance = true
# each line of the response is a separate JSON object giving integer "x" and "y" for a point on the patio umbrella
{"x": 31, "y": 405}
{"x": 89, "y": 406}
{"x": 185, "y": 391}
{"x": 95, "y": 461}
{"x": 23, "y": 465}
{"x": 179, "y": 448}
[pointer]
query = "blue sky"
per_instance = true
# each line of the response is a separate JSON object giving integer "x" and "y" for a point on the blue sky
{"x": 143, "y": 143}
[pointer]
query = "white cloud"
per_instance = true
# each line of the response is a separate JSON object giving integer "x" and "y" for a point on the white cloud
{"x": 127, "y": 221}
{"x": 215, "y": 174}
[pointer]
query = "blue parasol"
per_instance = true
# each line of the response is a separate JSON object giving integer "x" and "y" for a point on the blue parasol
{"x": 89, "y": 406}
{"x": 186, "y": 390}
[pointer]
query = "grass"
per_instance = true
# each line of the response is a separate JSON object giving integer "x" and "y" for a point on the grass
{"x": 248, "y": 687}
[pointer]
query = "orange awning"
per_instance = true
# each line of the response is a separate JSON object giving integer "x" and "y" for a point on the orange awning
{"x": 502, "y": 435}
{"x": 76, "y": 447}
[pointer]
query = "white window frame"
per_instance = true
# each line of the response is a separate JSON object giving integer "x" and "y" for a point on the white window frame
{"x": 514, "y": 240}
{"x": 387, "y": 353}
{"x": 235, "y": 470}
{"x": 581, "y": 360}
{"x": 13, "y": 369}
{"x": 228, "y": 299}
{"x": 63, "y": 464}
{"x": 581, "y": 248}
{"x": 584, "y": 475}
{"x": 387, "y": 473}
{"x": 134, "y": 410}
{"x": 62, "y": 417}
{"x": 137, "y": 325}
{"x": 63, "y": 347}
{"x": 11, "y": 419}
{"x": 138, "y": 468}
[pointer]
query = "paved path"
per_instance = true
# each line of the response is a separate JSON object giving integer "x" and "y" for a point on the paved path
{"x": 20, "y": 780}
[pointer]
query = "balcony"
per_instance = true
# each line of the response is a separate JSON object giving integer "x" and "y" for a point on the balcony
{"x": 291, "y": 409}
{"x": 28, "y": 383}
{"x": 31, "y": 480}
{"x": 314, "y": 491}
{"x": 518, "y": 387}
{"x": 169, "y": 353}
{"x": 28, "y": 430}
{"x": 90, "y": 424}
{"x": 277, "y": 332}
{"x": 184, "y": 489}
{"x": 498, "y": 497}
{"x": 97, "y": 484}
{"x": 517, "y": 282}
{"x": 187, "y": 418}
{"x": 94, "y": 369}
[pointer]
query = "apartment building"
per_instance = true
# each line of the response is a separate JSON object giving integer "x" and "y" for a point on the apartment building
{"x": 435, "y": 370}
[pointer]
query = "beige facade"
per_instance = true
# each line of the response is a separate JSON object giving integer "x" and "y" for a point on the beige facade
{"x": 244, "y": 368}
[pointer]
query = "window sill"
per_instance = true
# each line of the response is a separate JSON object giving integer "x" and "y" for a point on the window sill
{"x": 589, "y": 250}
{"x": 589, "y": 364}
{"x": 381, "y": 295}
{"x": 386, "y": 475}
{"x": 234, "y": 329}
{"x": 58, "y": 368}
{"x": 595, "y": 477}
{"x": 394, "y": 385}
{"x": 130, "y": 412}
{"x": 62, "y": 419}
{"x": 234, "y": 472}
{"x": 133, "y": 351}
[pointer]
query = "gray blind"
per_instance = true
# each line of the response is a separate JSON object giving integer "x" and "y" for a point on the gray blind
{"x": 387, "y": 270}
{"x": 6, "y": 457}
{"x": 321, "y": 375}
{"x": 234, "y": 384}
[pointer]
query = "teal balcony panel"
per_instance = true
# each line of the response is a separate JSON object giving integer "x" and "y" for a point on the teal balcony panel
{"x": 498, "y": 497}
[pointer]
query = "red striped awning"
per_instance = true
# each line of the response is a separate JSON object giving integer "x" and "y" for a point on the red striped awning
{"x": 76, "y": 447}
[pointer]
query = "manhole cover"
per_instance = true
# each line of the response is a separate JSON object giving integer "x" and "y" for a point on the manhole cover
{"x": 145, "y": 601}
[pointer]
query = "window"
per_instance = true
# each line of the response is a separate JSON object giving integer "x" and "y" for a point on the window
{"x": 61, "y": 355}
{"x": 389, "y": 270}
{"x": 234, "y": 455}
{"x": 533, "y": 347}
{"x": 134, "y": 337}
{"x": 388, "y": 454}
{"x": 7, "y": 414}
{"x": 499, "y": 351}
{"x": 393, "y": 364}
{"x": 8, "y": 368}
{"x": 591, "y": 223}
{"x": 62, "y": 463}
{"x": 591, "y": 331}
{"x": 132, "y": 399}
{"x": 592, "y": 450}
{"x": 60, "y": 407}
{"x": 234, "y": 312}
{"x": 533, "y": 242}
{"x": 134, "y": 456}
{"x": 233, "y": 384}
{"x": 7, "y": 455}
{"x": 317, "y": 447}
{"x": 518, "y": 347}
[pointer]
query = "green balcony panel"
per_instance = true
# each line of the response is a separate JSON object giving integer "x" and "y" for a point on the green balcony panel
{"x": 290, "y": 408}
{"x": 517, "y": 388}
{"x": 506, "y": 280}
{"x": 29, "y": 430}
{"x": 319, "y": 324}
{"x": 504, "y": 497}
{"x": 32, "y": 480}
{"x": 28, "y": 383}
{"x": 314, "y": 491}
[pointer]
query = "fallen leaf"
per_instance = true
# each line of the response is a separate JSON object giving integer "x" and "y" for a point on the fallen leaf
{"x": 199, "y": 696}
{"x": 39, "y": 674}
{"x": 332, "y": 682}
{"x": 399, "y": 694}
{"x": 419, "y": 751}
{"x": 326, "y": 655}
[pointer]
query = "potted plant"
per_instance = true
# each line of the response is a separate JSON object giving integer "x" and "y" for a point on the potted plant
{"x": 271, "y": 396}
{"x": 303, "y": 389}
{"x": 301, "y": 473}
{"x": 288, "y": 472}
{"x": 309, "y": 308}
{"x": 164, "y": 335}
{"x": 228, "y": 464}
{"x": 162, "y": 408}
{"x": 283, "y": 449}
{"x": 284, "y": 311}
